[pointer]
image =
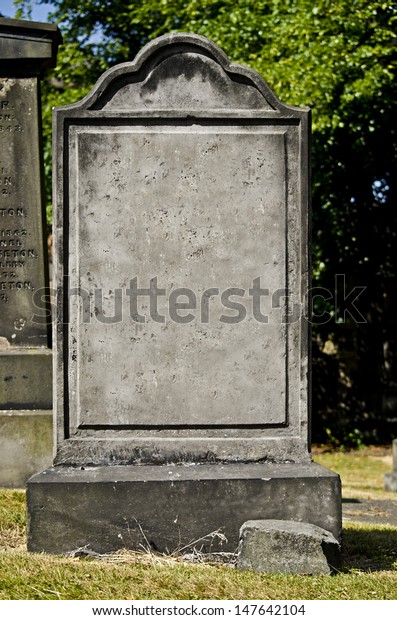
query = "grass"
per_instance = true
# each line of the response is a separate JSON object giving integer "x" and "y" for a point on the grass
{"x": 24, "y": 576}
{"x": 12, "y": 519}
{"x": 361, "y": 470}
{"x": 369, "y": 572}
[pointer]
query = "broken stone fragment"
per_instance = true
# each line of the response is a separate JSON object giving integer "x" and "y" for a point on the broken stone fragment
{"x": 276, "y": 546}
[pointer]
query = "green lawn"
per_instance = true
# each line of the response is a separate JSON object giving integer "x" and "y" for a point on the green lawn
{"x": 369, "y": 572}
{"x": 361, "y": 471}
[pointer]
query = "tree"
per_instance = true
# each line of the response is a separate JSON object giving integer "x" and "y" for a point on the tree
{"x": 340, "y": 59}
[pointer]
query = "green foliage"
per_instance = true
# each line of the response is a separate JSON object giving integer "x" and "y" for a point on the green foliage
{"x": 68, "y": 83}
{"x": 352, "y": 438}
{"x": 338, "y": 58}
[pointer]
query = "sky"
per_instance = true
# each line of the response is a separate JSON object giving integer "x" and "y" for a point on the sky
{"x": 39, "y": 14}
{"x": 39, "y": 11}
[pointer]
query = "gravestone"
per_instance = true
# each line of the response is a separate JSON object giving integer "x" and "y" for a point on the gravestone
{"x": 26, "y": 49}
{"x": 182, "y": 271}
{"x": 391, "y": 477}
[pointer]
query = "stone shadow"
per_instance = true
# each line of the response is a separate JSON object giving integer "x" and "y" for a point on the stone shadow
{"x": 370, "y": 549}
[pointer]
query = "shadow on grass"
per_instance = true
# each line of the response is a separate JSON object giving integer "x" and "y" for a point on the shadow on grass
{"x": 370, "y": 549}
{"x": 351, "y": 501}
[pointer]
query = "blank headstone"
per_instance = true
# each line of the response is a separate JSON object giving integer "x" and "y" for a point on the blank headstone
{"x": 181, "y": 230}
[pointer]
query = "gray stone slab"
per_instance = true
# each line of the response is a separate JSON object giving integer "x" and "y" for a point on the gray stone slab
{"x": 185, "y": 175}
{"x": 108, "y": 508}
{"x": 391, "y": 477}
{"x": 391, "y": 481}
{"x": 22, "y": 246}
{"x": 281, "y": 546}
{"x": 26, "y": 379}
{"x": 199, "y": 223}
{"x": 394, "y": 453}
{"x": 25, "y": 445}
{"x": 26, "y": 47}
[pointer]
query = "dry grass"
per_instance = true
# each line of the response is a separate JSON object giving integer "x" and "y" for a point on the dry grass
{"x": 12, "y": 519}
{"x": 36, "y": 576}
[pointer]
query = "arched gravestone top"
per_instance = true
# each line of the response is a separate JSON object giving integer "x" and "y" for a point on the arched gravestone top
{"x": 181, "y": 174}
{"x": 182, "y": 72}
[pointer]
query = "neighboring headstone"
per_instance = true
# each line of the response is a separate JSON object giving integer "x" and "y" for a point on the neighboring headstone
{"x": 272, "y": 546}
{"x": 391, "y": 477}
{"x": 182, "y": 267}
{"x": 26, "y": 49}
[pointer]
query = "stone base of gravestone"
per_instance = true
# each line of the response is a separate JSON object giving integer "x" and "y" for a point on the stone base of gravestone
{"x": 391, "y": 477}
{"x": 169, "y": 507}
{"x": 26, "y": 425}
{"x": 27, "y": 379}
{"x": 26, "y": 438}
{"x": 272, "y": 546}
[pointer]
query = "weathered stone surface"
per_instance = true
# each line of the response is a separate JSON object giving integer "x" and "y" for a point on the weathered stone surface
{"x": 181, "y": 217}
{"x": 22, "y": 250}
{"x": 188, "y": 193}
{"x": 24, "y": 48}
{"x": 25, "y": 445}
{"x": 26, "y": 379}
{"x": 391, "y": 481}
{"x": 281, "y": 546}
{"x": 106, "y": 507}
{"x": 391, "y": 477}
{"x": 186, "y": 176}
